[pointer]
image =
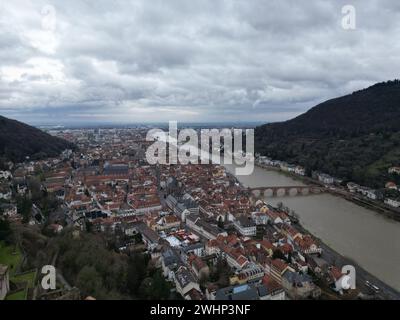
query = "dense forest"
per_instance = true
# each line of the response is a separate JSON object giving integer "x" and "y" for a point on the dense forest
{"x": 96, "y": 270}
{"x": 88, "y": 263}
{"x": 19, "y": 140}
{"x": 355, "y": 137}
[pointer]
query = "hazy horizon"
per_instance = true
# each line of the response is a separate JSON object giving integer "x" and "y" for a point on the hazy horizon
{"x": 133, "y": 123}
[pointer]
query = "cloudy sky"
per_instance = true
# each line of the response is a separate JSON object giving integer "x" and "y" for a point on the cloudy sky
{"x": 188, "y": 60}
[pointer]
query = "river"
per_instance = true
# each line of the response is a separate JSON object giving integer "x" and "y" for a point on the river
{"x": 368, "y": 238}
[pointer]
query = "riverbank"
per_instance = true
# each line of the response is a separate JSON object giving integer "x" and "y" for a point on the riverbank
{"x": 376, "y": 206}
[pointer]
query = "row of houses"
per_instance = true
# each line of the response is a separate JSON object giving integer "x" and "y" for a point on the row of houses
{"x": 365, "y": 191}
{"x": 282, "y": 165}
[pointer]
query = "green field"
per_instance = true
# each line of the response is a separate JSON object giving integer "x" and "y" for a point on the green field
{"x": 20, "y": 295}
{"x": 27, "y": 277}
{"x": 11, "y": 256}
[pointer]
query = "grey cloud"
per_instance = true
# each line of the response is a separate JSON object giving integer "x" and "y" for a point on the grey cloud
{"x": 189, "y": 60}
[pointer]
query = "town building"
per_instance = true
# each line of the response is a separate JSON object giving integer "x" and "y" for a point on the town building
{"x": 185, "y": 282}
{"x": 394, "y": 170}
{"x": 245, "y": 226}
{"x": 392, "y": 202}
{"x": 299, "y": 286}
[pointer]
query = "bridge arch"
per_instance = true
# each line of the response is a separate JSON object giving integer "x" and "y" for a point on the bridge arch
{"x": 268, "y": 193}
{"x": 316, "y": 190}
{"x": 256, "y": 193}
{"x": 305, "y": 191}
{"x": 281, "y": 192}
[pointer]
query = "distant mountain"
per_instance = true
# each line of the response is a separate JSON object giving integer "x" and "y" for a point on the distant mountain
{"x": 355, "y": 137}
{"x": 19, "y": 140}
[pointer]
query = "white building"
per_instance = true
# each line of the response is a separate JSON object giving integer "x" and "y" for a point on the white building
{"x": 196, "y": 223}
{"x": 300, "y": 171}
{"x": 394, "y": 170}
{"x": 260, "y": 218}
{"x": 245, "y": 226}
{"x": 392, "y": 202}
{"x": 371, "y": 194}
{"x": 325, "y": 178}
{"x": 185, "y": 281}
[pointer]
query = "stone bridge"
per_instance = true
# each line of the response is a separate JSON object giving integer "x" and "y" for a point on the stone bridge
{"x": 285, "y": 191}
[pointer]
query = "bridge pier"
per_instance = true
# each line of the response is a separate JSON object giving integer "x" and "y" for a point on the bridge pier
{"x": 283, "y": 191}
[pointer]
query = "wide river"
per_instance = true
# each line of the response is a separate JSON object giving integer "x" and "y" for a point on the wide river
{"x": 370, "y": 239}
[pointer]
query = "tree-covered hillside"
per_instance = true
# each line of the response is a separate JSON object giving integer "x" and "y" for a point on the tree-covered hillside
{"x": 355, "y": 137}
{"x": 19, "y": 140}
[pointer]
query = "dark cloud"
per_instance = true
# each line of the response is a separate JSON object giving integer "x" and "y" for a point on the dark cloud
{"x": 206, "y": 60}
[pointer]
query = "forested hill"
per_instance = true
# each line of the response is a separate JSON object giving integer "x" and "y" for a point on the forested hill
{"x": 355, "y": 137}
{"x": 19, "y": 140}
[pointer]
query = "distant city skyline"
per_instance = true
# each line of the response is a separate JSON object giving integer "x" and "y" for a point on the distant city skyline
{"x": 206, "y": 61}
{"x": 149, "y": 124}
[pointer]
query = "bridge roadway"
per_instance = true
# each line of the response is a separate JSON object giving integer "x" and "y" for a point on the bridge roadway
{"x": 284, "y": 191}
